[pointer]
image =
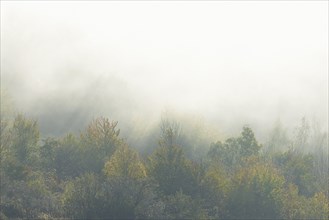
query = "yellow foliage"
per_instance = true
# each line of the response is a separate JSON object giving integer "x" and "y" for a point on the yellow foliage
{"x": 319, "y": 207}
{"x": 125, "y": 162}
{"x": 263, "y": 174}
{"x": 300, "y": 207}
{"x": 217, "y": 179}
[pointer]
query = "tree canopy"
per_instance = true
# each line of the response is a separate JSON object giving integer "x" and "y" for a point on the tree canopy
{"x": 97, "y": 175}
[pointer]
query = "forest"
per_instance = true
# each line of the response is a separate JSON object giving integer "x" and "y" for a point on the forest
{"x": 164, "y": 110}
{"x": 96, "y": 174}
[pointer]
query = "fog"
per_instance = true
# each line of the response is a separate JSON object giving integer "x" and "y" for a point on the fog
{"x": 226, "y": 63}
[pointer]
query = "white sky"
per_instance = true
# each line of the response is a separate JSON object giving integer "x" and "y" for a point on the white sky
{"x": 226, "y": 59}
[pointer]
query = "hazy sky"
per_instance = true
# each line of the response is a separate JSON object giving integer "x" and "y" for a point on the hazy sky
{"x": 226, "y": 60}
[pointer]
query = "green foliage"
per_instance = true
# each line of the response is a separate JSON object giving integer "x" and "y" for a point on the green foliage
{"x": 256, "y": 192}
{"x": 48, "y": 153}
{"x": 180, "y": 206}
{"x": 93, "y": 197}
{"x": 62, "y": 177}
{"x": 127, "y": 198}
{"x": 169, "y": 167}
{"x": 81, "y": 198}
{"x": 233, "y": 151}
{"x": 298, "y": 169}
{"x": 215, "y": 189}
{"x": 98, "y": 143}
{"x": 20, "y": 149}
{"x": 248, "y": 142}
{"x": 68, "y": 158}
{"x": 25, "y": 136}
{"x": 62, "y": 157}
{"x": 24, "y": 191}
{"x": 5, "y": 138}
{"x": 28, "y": 198}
